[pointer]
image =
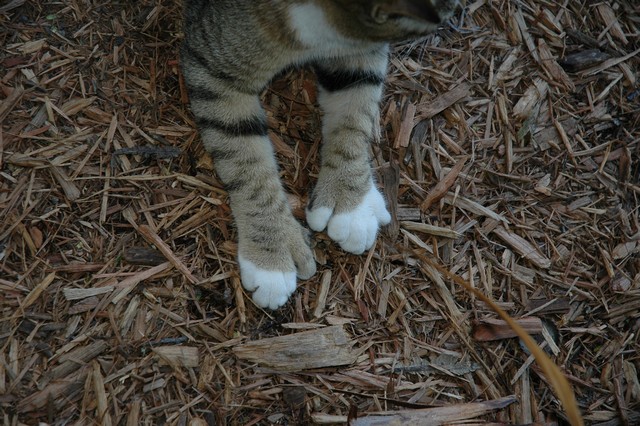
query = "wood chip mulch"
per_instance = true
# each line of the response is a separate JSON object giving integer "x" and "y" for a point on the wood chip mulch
{"x": 510, "y": 155}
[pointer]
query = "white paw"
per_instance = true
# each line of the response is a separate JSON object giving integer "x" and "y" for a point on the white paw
{"x": 271, "y": 289}
{"x": 318, "y": 218}
{"x": 354, "y": 230}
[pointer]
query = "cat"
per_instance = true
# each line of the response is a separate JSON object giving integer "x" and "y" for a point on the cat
{"x": 231, "y": 51}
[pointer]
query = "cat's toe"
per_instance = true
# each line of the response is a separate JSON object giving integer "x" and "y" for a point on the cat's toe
{"x": 271, "y": 289}
{"x": 356, "y": 229}
{"x": 318, "y": 218}
{"x": 379, "y": 208}
{"x": 305, "y": 263}
{"x": 351, "y": 232}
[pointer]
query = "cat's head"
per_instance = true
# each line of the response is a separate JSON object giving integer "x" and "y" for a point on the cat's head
{"x": 392, "y": 19}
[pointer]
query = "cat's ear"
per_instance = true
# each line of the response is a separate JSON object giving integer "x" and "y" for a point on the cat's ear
{"x": 424, "y": 10}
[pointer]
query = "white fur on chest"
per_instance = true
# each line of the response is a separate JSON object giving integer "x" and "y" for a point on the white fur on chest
{"x": 314, "y": 31}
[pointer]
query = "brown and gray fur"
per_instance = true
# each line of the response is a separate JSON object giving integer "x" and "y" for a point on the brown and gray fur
{"x": 232, "y": 49}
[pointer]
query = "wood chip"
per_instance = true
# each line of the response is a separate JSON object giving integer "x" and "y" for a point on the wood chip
{"x": 324, "y": 347}
{"x": 154, "y": 239}
{"x": 430, "y": 229}
{"x": 143, "y": 256}
{"x": 495, "y": 329}
{"x": 523, "y": 247}
{"x": 442, "y": 102}
{"x": 103, "y": 415}
{"x": 406, "y": 127}
{"x": 178, "y": 356}
{"x": 128, "y": 284}
{"x": 10, "y": 102}
{"x": 443, "y": 186}
{"x": 611, "y": 21}
{"x": 74, "y": 359}
{"x": 555, "y": 71}
{"x": 436, "y": 416}
{"x": 83, "y": 293}
{"x": 532, "y": 97}
{"x": 323, "y": 291}
{"x": 71, "y": 191}
{"x": 579, "y": 61}
{"x": 37, "y": 291}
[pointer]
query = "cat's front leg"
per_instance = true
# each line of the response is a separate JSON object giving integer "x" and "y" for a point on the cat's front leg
{"x": 345, "y": 199}
{"x": 273, "y": 247}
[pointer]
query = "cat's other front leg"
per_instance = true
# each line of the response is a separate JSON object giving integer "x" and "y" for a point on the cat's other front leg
{"x": 273, "y": 248}
{"x": 345, "y": 199}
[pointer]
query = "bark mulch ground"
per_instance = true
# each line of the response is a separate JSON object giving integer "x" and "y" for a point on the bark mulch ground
{"x": 510, "y": 155}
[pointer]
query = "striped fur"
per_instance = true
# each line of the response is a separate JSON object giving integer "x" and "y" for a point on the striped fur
{"x": 232, "y": 49}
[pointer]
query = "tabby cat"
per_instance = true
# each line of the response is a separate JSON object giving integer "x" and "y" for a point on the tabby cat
{"x": 232, "y": 49}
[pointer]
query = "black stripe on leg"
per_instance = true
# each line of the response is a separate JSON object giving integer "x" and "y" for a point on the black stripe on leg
{"x": 363, "y": 134}
{"x": 235, "y": 184}
{"x": 222, "y": 153}
{"x": 265, "y": 243}
{"x": 202, "y": 93}
{"x": 196, "y": 56}
{"x": 254, "y": 126}
{"x": 346, "y": 154}
{"x": 334, "y": 80}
